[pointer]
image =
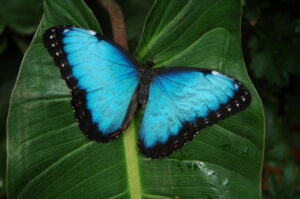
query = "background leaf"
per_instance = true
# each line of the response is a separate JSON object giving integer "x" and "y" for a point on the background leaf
{"x": 22, "y": 16}
{"x": 48, "y": 157}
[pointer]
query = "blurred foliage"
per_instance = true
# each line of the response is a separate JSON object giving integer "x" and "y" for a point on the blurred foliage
{"x": 21, "y": 16}
{"x": 271, "y": 39}
{"x": 10, "y": 61}
{"x": 271, "y": 42}
{"x": 275, "y": 43}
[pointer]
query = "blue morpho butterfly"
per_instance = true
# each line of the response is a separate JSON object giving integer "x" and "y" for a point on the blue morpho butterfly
{"x": 108, "y": 85}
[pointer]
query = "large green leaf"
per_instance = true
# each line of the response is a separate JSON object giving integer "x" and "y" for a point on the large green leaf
{"x": 48, "y": 157}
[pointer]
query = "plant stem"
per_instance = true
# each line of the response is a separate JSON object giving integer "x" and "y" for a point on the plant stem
{"x": 117, "y": 22}
{"x": 130, "y": 146}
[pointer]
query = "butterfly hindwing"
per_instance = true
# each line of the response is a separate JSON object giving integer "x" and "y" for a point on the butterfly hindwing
{"x": 184, "y": 100}
{"x": 102, "y": 77}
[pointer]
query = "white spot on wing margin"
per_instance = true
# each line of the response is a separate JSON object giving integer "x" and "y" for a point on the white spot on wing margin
{"x": 92, "y": 32}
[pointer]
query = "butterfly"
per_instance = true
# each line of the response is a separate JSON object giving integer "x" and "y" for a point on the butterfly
{"x": 108, "y": 85}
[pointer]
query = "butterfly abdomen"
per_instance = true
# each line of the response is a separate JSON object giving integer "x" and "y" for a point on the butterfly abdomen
{"x": 146, "y": 76}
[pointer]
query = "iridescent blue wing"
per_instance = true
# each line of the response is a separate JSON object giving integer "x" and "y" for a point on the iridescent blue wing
{"x": 103, "y": 79}
{"x": 184, "y": 100}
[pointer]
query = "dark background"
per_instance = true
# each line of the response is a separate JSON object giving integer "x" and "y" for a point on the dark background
{"x": 271, "y": 47}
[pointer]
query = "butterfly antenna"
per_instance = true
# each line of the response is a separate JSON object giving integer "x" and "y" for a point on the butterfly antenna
{"x": 149, "y": 61}
{"x": 166, "y": 50}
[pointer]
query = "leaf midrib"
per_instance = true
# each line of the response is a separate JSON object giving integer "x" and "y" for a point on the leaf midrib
{"x": 132, "y": 163}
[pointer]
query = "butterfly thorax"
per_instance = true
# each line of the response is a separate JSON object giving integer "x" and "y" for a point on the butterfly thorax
{"x": 146, "y": 75}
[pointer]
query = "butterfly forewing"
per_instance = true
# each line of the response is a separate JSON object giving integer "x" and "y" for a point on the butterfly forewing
{"x": 103, "y": 79}
{"x": 184, "y": 100}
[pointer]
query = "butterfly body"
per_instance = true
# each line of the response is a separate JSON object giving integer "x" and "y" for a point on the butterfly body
{"x": 146, "y": 76}
{"x": 108, "y": 86}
